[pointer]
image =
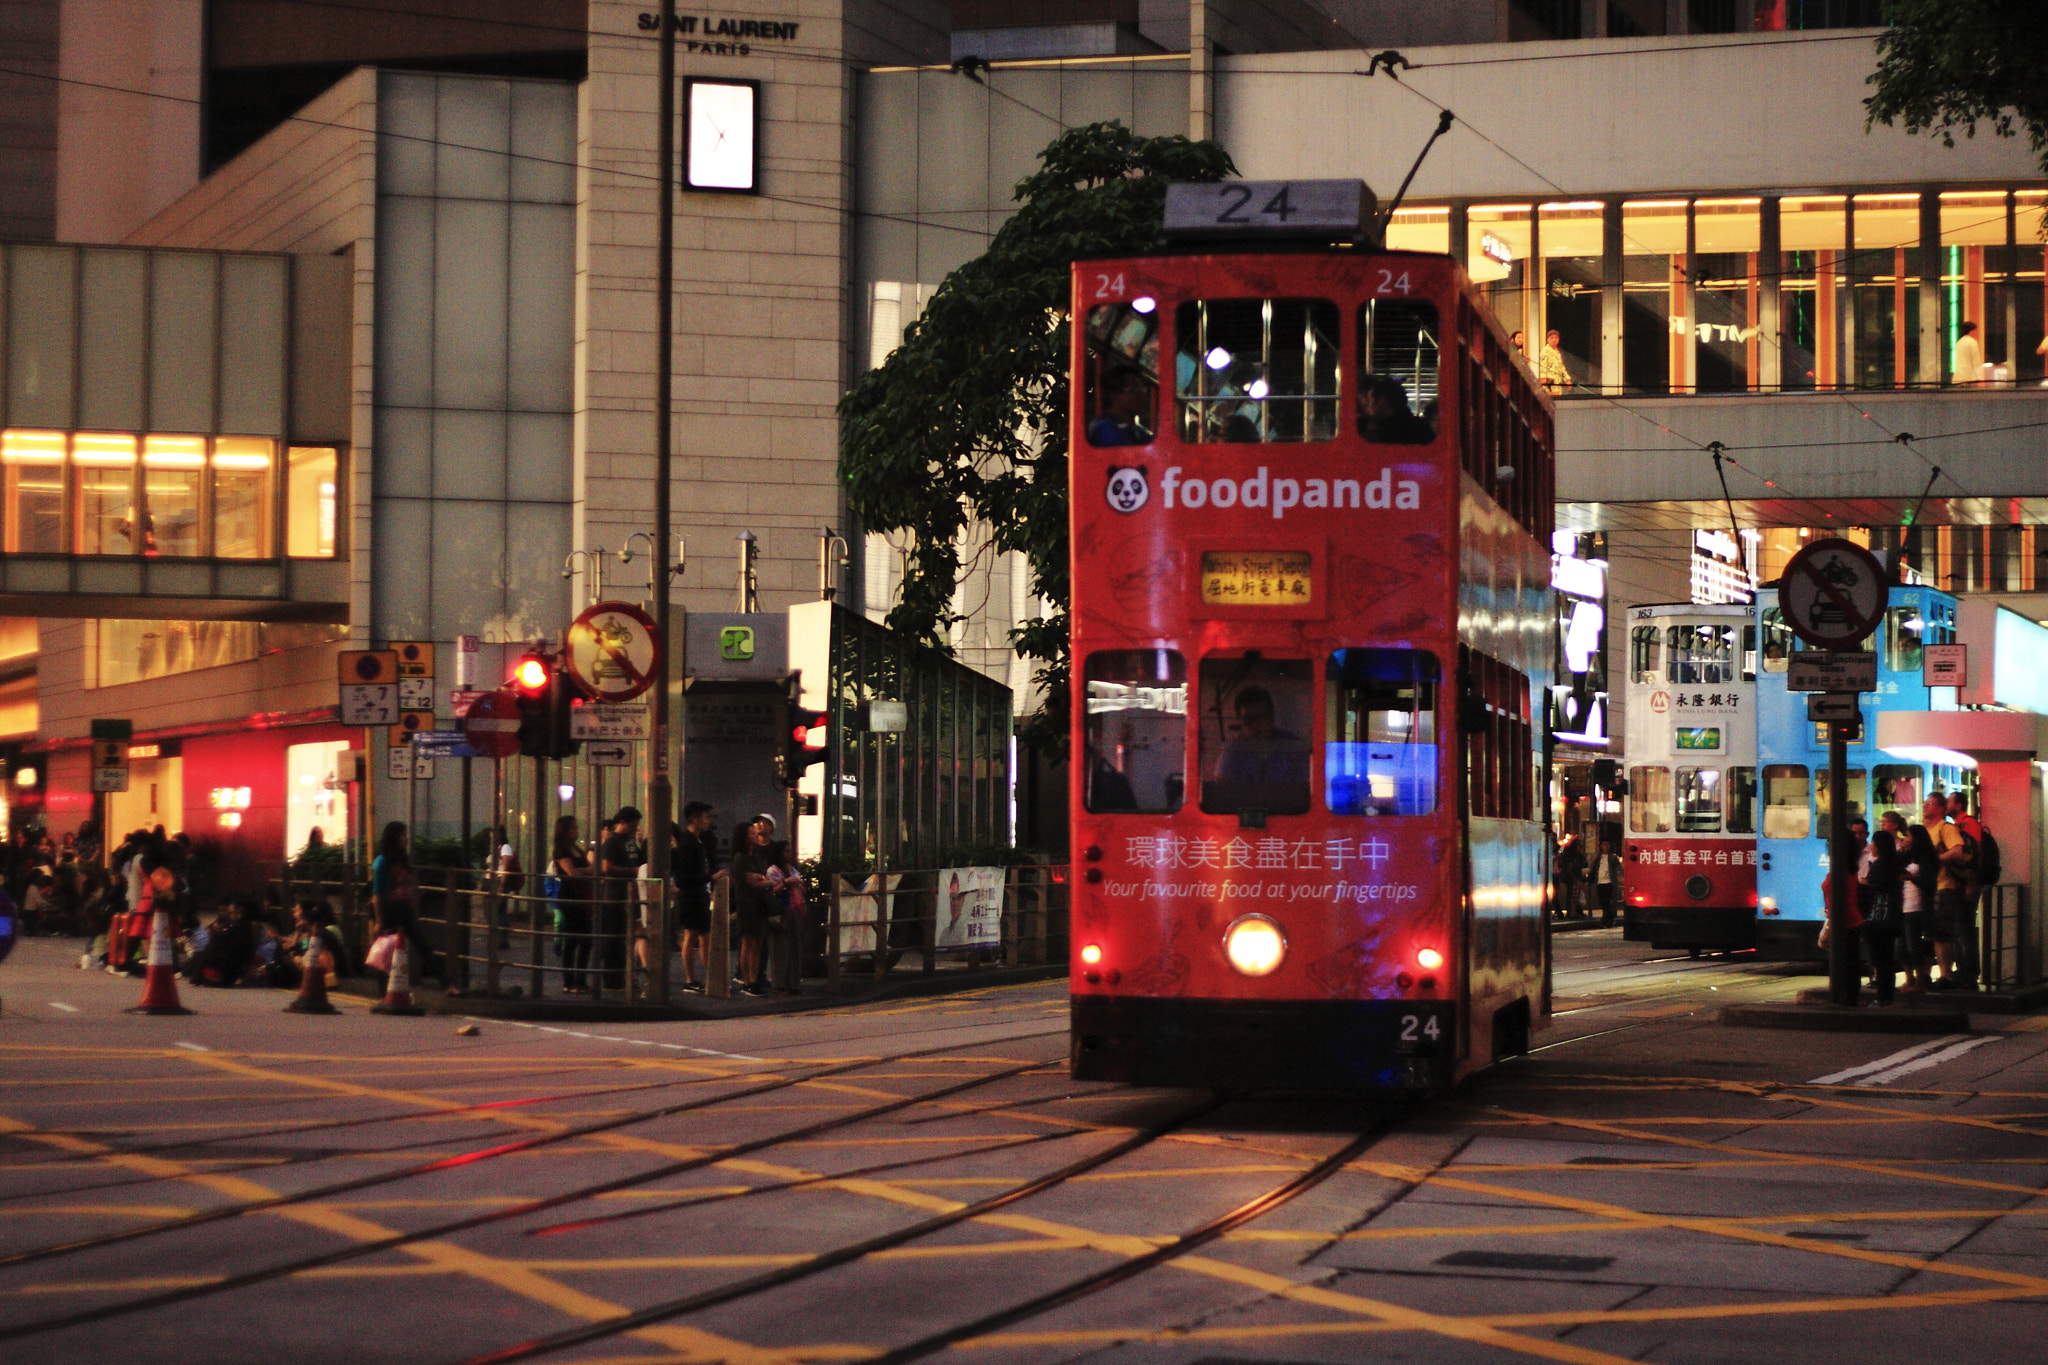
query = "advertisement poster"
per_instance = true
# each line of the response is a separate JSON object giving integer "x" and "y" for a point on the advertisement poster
{"x": 971, "y": 907}
{"x": 857, "y": 906}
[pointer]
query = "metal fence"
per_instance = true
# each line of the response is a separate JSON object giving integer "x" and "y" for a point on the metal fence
{"x": 2010, "y": 943}
{"x": 497, "y": 937}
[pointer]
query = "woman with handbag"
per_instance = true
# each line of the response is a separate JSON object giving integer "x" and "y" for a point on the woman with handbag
{"x": 568, "y": 886}
{"x": 392, "y": 896}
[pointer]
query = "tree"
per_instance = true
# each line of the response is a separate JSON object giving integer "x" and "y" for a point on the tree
{"x": 1949, "y": 64}
{"x": 966, "y": 421}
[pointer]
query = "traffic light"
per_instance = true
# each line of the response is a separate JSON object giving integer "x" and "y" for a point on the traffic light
{"x": 803, "y": 741}
{"x": 532, "y": 687}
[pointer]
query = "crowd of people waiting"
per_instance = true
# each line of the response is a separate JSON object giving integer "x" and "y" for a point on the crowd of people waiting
{"x": 1918, "y": 889}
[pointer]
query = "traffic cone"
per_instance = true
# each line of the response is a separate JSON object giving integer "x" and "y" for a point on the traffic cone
{"x": 312, "y": 997}
{"x": 160, "y": 987}
{"x": 398, "y": 985}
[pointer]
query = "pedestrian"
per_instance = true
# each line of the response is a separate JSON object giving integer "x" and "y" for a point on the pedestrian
{"x": 1571, "y": 874}
{"x": 1607, "y": 882}
{"x": 1917, "y": 869}
{"x": 1971, "y": 869}
{"x": 570, "y": 871}
{"x": 1955, "y": 947}
{"x": 786, "y": 891}
{"x": 750, "y": 904}
{"x": 392, "y": 895}
{"x": 1845, "y": 921}
{"x": 696, "y": 867}
{"x": 1969, "y": 358}
{"x": 619, "y": 860}
{"x": 1551, "y": 371}
{"x": 1877, "y": 895}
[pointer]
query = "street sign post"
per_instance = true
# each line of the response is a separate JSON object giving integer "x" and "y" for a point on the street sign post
{"x": 492, "y": 724}
{"x": 615, "y": 651}
{"x": 404, "y": 765}
{"x": 415, "y": 658}
{"x": 369, "y": 703}
{"x": 1945, "y": 665}
{"x": 461, "y": 699}
{"x": 1833, "y": 594}
{"x": 1817, "y": 670}
{"x": 445, "y": 744}
{"x": 110, "y": 765}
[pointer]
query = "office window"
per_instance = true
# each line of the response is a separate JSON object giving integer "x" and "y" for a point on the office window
{"x": 314, "y": 502}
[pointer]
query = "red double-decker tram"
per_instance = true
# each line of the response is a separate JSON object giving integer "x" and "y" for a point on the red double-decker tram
{"x": 1312, "y": 498}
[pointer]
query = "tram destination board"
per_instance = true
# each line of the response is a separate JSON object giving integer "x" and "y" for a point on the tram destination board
{"x": 1819, "y": 670}
{"x": 1257, "y": 578}
{"x": 1326, "y": 209}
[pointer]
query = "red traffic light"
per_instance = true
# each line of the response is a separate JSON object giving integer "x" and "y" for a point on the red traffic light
{"x": 813, "y": 731}
{"x": 531, "y": 674}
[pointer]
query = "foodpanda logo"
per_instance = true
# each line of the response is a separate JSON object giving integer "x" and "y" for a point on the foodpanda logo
{"x": 1127, "y": 489}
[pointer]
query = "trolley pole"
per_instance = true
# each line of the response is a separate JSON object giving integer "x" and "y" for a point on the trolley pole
{"x": 660, "y": 790}
{"x": 1845, "y": 976}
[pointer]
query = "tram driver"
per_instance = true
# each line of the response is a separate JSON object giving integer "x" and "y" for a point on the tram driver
{"x": 1263, "y": 765}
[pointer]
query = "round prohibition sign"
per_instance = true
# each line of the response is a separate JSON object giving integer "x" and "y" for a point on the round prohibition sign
{"x": 615, "y": 651}
{"x": 1833, "y": 594}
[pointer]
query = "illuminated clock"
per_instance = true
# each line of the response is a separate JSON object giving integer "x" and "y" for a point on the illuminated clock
{"x": 720, "y": 147}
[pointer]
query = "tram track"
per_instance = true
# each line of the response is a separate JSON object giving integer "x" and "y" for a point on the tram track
{"x": 336, "y": 1189}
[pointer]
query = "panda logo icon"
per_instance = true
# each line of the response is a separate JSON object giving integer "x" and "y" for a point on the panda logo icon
{"x": 1128, "y": 489}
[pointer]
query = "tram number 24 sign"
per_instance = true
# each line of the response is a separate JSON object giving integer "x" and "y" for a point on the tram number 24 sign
{"x": 1833, "y": 594}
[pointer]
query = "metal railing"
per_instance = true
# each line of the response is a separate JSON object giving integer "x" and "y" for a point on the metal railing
{"x": 2009, "y": 942}
{"x": 497, "y": 936}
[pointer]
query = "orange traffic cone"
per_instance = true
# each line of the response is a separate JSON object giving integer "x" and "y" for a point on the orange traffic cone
{"x": 312, "y": 997}
{"x": 398, "y": 985}
{"x": 160, "y": 988}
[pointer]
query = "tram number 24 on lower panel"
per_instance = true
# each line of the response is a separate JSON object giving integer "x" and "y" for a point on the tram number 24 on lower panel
{"x": 1415, "y": 1028}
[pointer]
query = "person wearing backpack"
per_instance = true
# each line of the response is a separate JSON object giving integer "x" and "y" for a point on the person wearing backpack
{"x": 1955, "y": 930}
{"x": 1984, "y": 870}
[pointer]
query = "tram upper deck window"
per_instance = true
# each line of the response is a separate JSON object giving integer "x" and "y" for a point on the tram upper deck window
{"x": 1379, "y": 736}
{"x": 1788, "y": 801}
{"x": 1256, "y": 369}
{"x": 1649, "y": 800}
{"x": 1699, "y": 800}
{"x": 1777, "y": 641}
{"x": 1904, "y": 639}
{"x": 1702, "y": 654}
{"x": 1646, "y": 654}
{"x": 1120, "y": 376}
{"x": 1899, "y": 787}
{"x": 1398, "y": 365}
{"x": 1136, "y": 731}
{"x": 1254, "y": 734}
{"x": 1741, "y": 801}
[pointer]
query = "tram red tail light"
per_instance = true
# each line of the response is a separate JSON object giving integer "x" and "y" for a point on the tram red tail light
{"x": 1429, "y": 959}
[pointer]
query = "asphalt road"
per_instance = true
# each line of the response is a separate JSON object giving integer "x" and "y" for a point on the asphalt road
{"x": 920, "y": 1180}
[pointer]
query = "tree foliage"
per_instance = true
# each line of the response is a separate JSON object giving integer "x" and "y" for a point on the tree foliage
{"x": 966, "y": 421}
{"x": 1946, "y": 65}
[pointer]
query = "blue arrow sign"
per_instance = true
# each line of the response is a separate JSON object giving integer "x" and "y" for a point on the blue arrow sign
{"x": 443, "y": 744}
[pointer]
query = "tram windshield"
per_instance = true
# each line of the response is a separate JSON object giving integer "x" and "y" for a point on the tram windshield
{"x": 1398, "y": 368}
{"x": 1254, "y": 735}
{"x": 1777, "y": 641}
{"x": 1788, "y": 801}
{"x": 1120, "y": 375}
{"x": 1136, "y": 731}
{"x": 1699, "y": 800}
{"x": 1649, "y": 800}
{"x": 1903, "y": 640}
{"x": 1380, "y": 745}
{"x": 1702, "y": 654}
{"x": 1256, "y": 370}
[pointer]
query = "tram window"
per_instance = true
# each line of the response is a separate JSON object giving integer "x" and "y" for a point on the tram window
{"x": 1379, "y": 736}
{"x": 1136, "y": 730}
{"x": 1256, "y": 369}
{"x": 1702, "y": 654}
{"x": 1254, "y": 734}
{"x": 1699, "y": 800}
{"x": 1788, "y": 797}
{"x": 1649, "y": 800}
{"x": 1398, "y": 364}
{"x": 1646, "y": 654}
{"x": 1859, "y": 796}
{"x": 1742, "y": 801}
{"x": 1120, "y": 376}
{"x": 1903, "y": 640}
{"x": 1777, "y": 642}
{"x": 1749, "y": 653}
{"x": 1899, "y": 787}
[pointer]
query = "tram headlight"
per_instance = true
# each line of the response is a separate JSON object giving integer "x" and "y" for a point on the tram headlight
{"x": 1254, "y": 945}
{"x": 1429, "y": 959}
{"x": 1091, "y": 954}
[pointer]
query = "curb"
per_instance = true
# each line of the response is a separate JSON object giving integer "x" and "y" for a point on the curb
{"x": 2022, "y": 1001}
{"x": 1836, "y": 1019}
{"x": 552, "y": 1011}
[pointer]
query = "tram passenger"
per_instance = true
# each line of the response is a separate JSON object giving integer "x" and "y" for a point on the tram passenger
{"x": 1262, "y": 765}
{"x": 1387, "y": 417}
{"x": 1126, "y": 398}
